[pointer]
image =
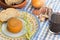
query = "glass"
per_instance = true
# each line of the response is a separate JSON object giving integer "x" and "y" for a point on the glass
{"x": 54, "y": 23}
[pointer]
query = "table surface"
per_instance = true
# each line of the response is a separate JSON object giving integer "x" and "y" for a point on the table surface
{"x": 43, "y": 33}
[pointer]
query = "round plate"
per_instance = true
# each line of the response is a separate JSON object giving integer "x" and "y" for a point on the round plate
{"x": 32, "y": 25}
{"x": 6, "y": 32}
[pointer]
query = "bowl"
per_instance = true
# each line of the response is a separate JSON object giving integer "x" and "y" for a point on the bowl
{"x": 4, "y": 5}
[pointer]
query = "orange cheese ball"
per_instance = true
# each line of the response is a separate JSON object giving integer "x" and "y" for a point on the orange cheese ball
{"x": 38, "y": 3}
{"x": 14, "y": 25}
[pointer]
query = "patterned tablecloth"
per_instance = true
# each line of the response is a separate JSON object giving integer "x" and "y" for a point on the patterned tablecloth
{"x": 43, "y": 33}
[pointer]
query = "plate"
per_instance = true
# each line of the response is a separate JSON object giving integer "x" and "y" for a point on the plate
{"x": 32, "y": 25}
{"x": 7, "y": 33}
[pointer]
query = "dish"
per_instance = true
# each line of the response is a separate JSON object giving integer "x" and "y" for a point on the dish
{"x": 13, "y": 34}
{"x": 10, "y": 2}
{"x": 14, "y": 25}
{"x": 31, "y": 26}
{"x": 20, "y": 5}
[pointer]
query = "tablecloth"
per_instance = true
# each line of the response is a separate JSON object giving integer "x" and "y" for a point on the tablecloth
{"x": 43, "y": 32}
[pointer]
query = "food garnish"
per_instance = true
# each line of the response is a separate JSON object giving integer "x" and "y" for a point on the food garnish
{"x": 43, "y": 13}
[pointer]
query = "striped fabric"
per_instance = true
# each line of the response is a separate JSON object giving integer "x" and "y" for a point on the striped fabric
{"x": 43, "y": 33}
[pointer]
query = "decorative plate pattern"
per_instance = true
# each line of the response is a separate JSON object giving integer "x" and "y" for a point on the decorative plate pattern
{"x": 31, "y": 27}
